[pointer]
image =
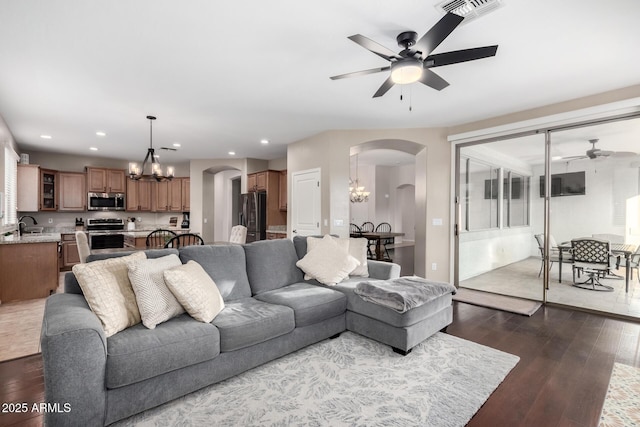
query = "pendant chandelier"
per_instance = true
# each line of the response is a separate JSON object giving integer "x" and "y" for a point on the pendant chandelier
{"x": 356, "y": 191}
{"x": 150, "y": 169}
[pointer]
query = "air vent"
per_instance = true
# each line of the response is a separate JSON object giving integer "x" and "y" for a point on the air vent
{"x": 469, "y": 9}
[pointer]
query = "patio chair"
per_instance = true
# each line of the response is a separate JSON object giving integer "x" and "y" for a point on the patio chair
{"x": 158, "y": 238}
{"x": 591, "y": 257}
{"x": 615, "y": 259}
{"x": 186, "y": 239}
{"x": 554, "y": 252}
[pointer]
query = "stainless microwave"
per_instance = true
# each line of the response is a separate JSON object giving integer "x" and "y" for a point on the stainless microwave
{"x": 106, "y": 201}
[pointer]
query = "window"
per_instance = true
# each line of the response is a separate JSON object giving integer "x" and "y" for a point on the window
{"x": 479, "y": 195}
{"x": 517, "y": 205}
{"x": 10, "y": 186}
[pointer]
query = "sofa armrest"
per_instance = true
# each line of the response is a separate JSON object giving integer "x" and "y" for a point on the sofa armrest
{"x": 74, "y": 355}
{"x": 383, "y": 270}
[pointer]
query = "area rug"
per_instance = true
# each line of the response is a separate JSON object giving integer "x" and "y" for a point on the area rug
{"x": 347, "y": 381}
{"x": 621, "y": 403}
{"x": 499, "y": 302}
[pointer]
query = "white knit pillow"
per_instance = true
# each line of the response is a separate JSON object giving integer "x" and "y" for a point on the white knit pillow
{"x": 155, "y": 301}
{"x": 107, "y": 289}
{"x": 328, "y": 262}
{"x": 356, "y": 247}
{"x": 195, "y": 290}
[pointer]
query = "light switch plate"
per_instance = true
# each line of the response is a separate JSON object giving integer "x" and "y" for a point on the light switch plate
{"x": 436, "y": 221}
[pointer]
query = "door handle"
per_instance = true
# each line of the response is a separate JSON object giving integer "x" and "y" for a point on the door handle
{"x": 294, "y": 231}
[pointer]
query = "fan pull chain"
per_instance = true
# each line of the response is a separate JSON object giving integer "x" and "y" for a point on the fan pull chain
{"x": 410, "y": 100}
{"x": 401, "y": 93}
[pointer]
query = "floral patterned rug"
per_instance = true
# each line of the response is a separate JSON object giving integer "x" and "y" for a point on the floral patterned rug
{"x": 622, "y": 403}
{"x": 348, "y": 381}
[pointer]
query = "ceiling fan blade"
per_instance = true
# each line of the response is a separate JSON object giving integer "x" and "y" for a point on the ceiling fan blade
{"x": 374, "y": 47}
{"x": 437, "y": 33}
{"x": 440, "y": 59}
{"x": 623, "y": 154}
{"x": 360, "y": 73}
{"x": 433, "y": 80}
{"x": 388, "y": 84}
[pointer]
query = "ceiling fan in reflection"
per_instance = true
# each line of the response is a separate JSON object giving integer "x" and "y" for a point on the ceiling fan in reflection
{"x": 596, "y": 153}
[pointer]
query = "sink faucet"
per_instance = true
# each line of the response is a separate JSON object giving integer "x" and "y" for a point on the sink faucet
{"x": 21, "y": 224}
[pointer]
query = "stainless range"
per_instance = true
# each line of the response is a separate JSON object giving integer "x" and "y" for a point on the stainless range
{"x": 103, "y": 233}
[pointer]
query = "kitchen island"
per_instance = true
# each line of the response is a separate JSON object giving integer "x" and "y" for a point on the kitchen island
{"x": 28, "y": 266}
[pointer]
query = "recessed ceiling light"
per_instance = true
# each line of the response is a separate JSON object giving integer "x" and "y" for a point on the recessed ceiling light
{"x": 264, "y": 141}
{"x": 177, "y": 144}
{"x": 93, "y": 148}
{"x": 232, "y": 153}
{"x": 100, "y": 133}
{"x": 45, "y": 136}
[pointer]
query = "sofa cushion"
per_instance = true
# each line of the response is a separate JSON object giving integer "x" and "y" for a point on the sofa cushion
{"x": 271, "y": 264}
{"x": 195, "y": 290}
{"x": 155, "y": 301}
{"x": 226, "y": 264}
{"x": 357, "y": 305}
{"x": 328, "y": 262}
{"x": 356, "y": 247}
{"x": 247, "y": 321}
{"x": 311, "y": 304}
{"x": 107, "y": 289}
{"x": 138, "y": 353}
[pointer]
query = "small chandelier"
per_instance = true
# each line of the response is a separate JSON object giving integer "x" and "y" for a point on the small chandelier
{"x": 150, "y": 169}
{"x": 356, "y": 191}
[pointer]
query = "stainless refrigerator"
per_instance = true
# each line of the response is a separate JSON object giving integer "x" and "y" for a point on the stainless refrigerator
{"x": 253, "y": 215}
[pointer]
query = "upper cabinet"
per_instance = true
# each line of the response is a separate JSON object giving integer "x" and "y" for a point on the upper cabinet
{"x": 186, "y": 194}
{"x": 283, "y": 190}
{"x": 48, "y": 190}
{"x": 257, "y": 181}
{"x": 102, "y": 180}
{"x": 72, "y": 193}
{"x": 138, "y": 195}
{"x": 28, "y": 188}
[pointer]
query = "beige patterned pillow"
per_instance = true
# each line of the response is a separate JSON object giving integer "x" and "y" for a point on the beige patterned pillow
{"x": 195, "y": 290}
{"x": 155, "y": 301}
{"x": 328, "y": 262}
{"x": 357, "y": 248}
{"x": 108, "y": 291}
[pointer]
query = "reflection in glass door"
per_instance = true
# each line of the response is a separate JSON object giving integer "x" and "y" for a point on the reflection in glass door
{"x": 498, "y": 217}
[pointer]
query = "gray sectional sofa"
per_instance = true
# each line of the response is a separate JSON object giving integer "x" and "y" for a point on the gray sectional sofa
{"x": 270, "y": 311}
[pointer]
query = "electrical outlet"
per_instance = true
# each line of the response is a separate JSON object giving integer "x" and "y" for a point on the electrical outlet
{"x": 50, "y": 220}
{"x": 139, "y": 219}
{"x": 204, "y": 220}
{"x": 434, "y": 266}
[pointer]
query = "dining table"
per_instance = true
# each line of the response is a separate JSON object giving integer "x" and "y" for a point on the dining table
{"x": 378, "y": 237}
{"x": 623, "y": 249}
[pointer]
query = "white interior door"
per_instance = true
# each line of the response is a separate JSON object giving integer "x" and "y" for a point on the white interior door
{"x": 305, "y": 203}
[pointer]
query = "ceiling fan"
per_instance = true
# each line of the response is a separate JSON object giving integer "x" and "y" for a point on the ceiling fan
{"x": 414, "y": 62}
{"x": 595, "y": 153}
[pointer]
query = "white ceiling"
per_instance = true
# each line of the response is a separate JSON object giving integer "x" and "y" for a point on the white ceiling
{"x": 222, "y": 75}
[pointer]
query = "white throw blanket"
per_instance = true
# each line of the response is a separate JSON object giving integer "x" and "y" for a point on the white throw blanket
{"x": 404, "y": 293}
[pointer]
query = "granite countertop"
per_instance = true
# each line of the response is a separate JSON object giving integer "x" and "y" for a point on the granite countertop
{"x": 269, "y": 230}
{"x": 144, "y": 233}
{"x": 30, "y": 238}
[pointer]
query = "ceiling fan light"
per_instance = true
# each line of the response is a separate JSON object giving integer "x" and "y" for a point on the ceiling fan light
{"x": 406, "y": 71}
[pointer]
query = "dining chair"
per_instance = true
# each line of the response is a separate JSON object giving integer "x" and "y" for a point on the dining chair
{"x": 83, "y": 246}
{"x": 368, "y": 227}
{"x": 354, "y": 230}
{"x": 238, "y": 234}
{"x": 185, "y": 239}
{"x": 592, "y": 257}
{"x": 158, "y": 238}
{"x": 385, "y": 227}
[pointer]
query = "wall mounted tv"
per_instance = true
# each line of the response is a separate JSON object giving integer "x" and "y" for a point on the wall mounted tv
{"x": 565, "y": 184}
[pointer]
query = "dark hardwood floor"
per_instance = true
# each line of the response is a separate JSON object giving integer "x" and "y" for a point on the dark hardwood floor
{"x": 566, "y": 358}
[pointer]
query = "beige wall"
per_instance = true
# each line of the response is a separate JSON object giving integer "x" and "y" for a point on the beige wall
{"x": 330, "y": 152}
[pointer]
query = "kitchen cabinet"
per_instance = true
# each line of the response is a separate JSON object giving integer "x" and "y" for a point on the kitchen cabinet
{"x": 160, "y": 196}
{"x": 186, "y": 194}
{"x": 69, "y": 249}
{"x": 138, "y": 195}
{"x": 137, "y": 242}
{"x": 28, "y": 188}
{"x": 175, "y": 195}
{"x": 257, "y": 181}
{"x": 102, "y": 180}
{"x": 282, "y": 190}
{"x": 48, "y": 190}
{"x": 72, "y": 193}
{"x": 29, "y": 270}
